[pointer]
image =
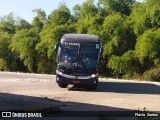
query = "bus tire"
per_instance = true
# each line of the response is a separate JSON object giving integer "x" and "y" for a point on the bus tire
{"x": 62, "y": 85}
{"x": 95, "y": 85}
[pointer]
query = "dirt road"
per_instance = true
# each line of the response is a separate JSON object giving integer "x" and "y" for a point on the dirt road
{"x": 111, "y": 95}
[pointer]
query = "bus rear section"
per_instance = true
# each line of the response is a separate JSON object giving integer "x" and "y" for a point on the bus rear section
{"x": 77, "y": 60}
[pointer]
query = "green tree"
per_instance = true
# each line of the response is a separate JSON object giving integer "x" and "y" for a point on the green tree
{"x": 129, "y": 32}
{"x": 76, "y": 11}
{"x": 40, "y": 19}
{"x": 88, "y": 9}
{"x": 49, "y": 37}
{"x": 23, "y": 43}
{"x": 59, "y": 23}
{"x": 4, "y": 43}
{"x": 146, "y": 16}
{"x": 118, "y": 36}
{"x": 7, "y": 23}
{"x": 22, "y": 24}
{"x": 89, "y": 21}
{"x": 147, "y": 48}
{"x": 60, "y": 15}
{"x": 9, "y": 60}
{"x": 124, "y": 64}
{"x": 122, "y": 6}
{"x": 95, "y": 26}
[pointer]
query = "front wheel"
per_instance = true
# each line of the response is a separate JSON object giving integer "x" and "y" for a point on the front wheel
{"x": 62, "y": 85}
{"x": 95, "y": 85}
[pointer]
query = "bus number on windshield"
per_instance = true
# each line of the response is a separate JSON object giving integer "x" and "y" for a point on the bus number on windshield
{"x": 71, "y": 44}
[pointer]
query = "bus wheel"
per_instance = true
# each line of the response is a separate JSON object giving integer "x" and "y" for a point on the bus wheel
{"x": 95, "y": 85}
{"x": 62, "y": 85}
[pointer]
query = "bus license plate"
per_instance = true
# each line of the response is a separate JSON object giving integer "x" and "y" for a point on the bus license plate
{"x": 76, "y": 81}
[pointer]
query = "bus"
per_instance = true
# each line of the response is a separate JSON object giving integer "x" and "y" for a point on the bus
{"x": 78, "y": 57}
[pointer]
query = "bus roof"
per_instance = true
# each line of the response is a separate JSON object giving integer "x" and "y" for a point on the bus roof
{"x": 80, "y": 38}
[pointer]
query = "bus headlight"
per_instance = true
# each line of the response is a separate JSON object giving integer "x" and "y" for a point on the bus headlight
{"x": 93, "y": 75}
{"x": 60, "y": 73}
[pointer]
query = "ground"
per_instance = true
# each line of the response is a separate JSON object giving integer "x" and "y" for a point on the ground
{"x": 36, "y": 91}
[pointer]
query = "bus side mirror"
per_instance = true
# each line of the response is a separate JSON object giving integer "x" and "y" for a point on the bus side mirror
{"x": 101, "y": 51}
{"x": 56, "y": 47}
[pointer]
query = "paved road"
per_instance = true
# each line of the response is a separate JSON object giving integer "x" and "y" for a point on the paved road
{"x": 111, "y": 95}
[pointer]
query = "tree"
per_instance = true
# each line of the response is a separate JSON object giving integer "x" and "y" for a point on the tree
{"x": 123, "y": 64}
{"x": 40, "y": 19}
{"x": 4, "y": 43}
{"x": 59, "y": 23}
{"x": 88, "y": 9}
{"x": 89, "y": 22}
{"x": 95, "y": 26}
{"x": 60, "y": 15}
{"x": 8, "y": 60}
{"x": 26, "y": 38}
{"x": 146, "y": 16}
{"x": 122, "y": 6}
{"x": 76, "y": 11}
{"x": 7, "y": 23}
{"x": 23, "y": 43}
{"x": 49, "y": 37}
{"x": 147, "y": 48}
{"x": 129, "y": 33}
{"x": 22, "y": 24}
{"x": 118, "y": 36}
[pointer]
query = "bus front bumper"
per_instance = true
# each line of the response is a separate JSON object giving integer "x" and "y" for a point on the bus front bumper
{"x": 82, "y": 80}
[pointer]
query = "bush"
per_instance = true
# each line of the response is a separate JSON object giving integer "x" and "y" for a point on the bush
{"x": 3, "y": 65}
{"x": 152, "y": 74}
{"x": 123, "y": 64}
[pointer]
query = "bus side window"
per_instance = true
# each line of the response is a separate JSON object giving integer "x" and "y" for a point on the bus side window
{"x": 101, "y": 51}
{"x": 58, "y": 53}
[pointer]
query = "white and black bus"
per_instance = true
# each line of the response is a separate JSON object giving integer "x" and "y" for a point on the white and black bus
{"x": 77, "y": 60}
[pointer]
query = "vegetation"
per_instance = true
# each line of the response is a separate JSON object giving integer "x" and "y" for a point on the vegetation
{"x": 129, "y": 32}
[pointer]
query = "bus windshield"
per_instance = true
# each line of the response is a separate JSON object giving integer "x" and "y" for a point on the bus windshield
{"x": 83, "y": 57}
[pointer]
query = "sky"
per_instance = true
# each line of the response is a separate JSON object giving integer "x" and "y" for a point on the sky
{"x": 23, "y": 8}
